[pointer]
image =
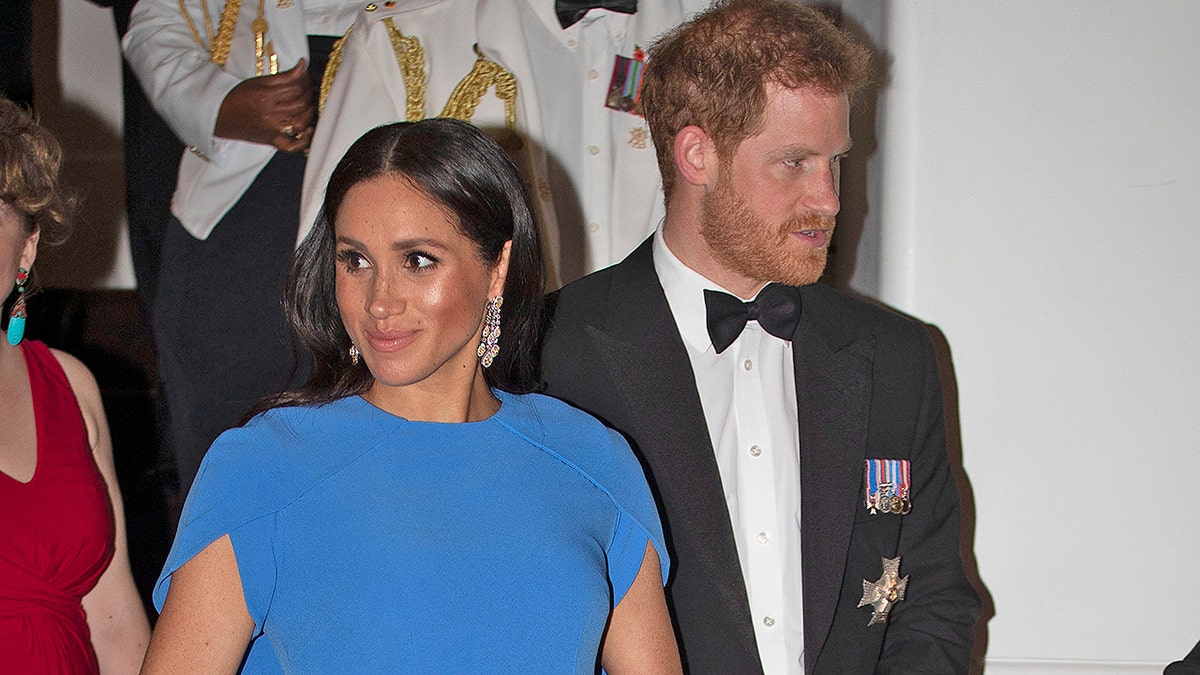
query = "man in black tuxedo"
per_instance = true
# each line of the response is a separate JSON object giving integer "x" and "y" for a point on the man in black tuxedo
{"x": 795, "y": 442}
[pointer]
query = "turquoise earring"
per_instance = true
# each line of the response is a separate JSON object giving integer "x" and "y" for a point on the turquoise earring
{"x": 16, "y": 320}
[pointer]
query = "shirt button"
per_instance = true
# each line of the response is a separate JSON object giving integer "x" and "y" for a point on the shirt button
{"x": 593, "y": 150}
{"x": 593, "y": 74}
{"x": 747, "y": 365}
{"x": 768, "y": 621}
{"x": 571, "y": 43}
{"x": 594, "y": 227}
{"x": 763, "y": 538}
{"x": 755, "y": 451}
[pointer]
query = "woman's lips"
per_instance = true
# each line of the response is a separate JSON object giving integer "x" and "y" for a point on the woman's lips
{"x": 390, "y": 341}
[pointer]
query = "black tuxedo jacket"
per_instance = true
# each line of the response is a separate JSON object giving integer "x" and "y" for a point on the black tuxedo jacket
{"x": 867, "y": 386}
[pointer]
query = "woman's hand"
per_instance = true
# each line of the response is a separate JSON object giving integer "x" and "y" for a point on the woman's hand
{"x": 273, "y": 110}
{"x": 639, "y": 638}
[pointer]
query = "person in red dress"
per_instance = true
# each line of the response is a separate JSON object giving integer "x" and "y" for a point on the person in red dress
{"x": 67, "y": 598}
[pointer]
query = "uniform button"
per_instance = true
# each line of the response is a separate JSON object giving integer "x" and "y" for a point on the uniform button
{"x": 763, "y": 538}
{"x": 768, "y": 621}
{"x": 593, "y": 150}
{"x": 755, "y": 451}
{"x": 593, "y": 74}
{"x": 747, "y": 365}
{"x": 594, "y": 227}
{"x": 571, "y": 43}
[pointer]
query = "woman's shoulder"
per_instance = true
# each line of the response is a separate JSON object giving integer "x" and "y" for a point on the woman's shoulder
{"x": 553, "y": 421}
{"x": 87, "y": 392}
{"x": 577, "y": 437}
{"x": 285, "y": 450}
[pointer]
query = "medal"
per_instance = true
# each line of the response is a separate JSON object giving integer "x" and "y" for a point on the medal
{"x": 638, "y": 138}
{"x": 883, "y": 594}
{"x": 625, "y": 87}
{"x": 888, "y": 486}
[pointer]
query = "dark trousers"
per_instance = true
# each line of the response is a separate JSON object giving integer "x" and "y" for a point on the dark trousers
{"x": 218, "y": 315}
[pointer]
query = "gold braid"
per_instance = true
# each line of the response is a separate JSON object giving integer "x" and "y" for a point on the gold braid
{"x": 220, "y": 45}
{"x": 331, "y": 68}
{"x": 411, "y": 57}
{"x": 192, "y": 24}
{"x": 469, "y": 92}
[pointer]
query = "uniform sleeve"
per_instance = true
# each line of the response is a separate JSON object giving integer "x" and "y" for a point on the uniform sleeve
{"x": 637, "y": 522}
{"x": 225, "y": 500}
{"x": 184, "y": 85}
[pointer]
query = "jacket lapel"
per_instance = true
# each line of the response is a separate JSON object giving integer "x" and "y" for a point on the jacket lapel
{"x": 833, "y": 391}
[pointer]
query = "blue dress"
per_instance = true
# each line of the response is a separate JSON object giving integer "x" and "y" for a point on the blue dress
{"x": 369, "y": 543}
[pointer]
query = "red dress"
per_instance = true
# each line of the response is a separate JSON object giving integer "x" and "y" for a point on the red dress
{"x": 56, "y": 534}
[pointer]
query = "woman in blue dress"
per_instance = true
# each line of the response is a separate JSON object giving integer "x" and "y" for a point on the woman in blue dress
{"x": 413, "y": 508}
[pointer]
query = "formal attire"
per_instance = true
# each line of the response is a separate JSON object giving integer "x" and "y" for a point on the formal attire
{"x": 56, "y": 535}
{"x": 218, "y": 321}
{"x": 602, "y": 168}
{"x": 866, "y": 387}
{"x": 407, "y": 61}
{"x": 369, "y": 543}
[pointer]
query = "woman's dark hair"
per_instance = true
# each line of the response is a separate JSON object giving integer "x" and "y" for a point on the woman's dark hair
{"x": 458, "y": 167}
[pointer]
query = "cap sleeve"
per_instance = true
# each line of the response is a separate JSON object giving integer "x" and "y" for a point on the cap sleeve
{"x": 637, "y": 523}
{"x": 231, "y": 496}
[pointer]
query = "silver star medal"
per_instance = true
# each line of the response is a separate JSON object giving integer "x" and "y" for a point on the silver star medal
{"x": 882, "y": 594}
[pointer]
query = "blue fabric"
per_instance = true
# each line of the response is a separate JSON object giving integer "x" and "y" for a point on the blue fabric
{"x": 369, "y": 543}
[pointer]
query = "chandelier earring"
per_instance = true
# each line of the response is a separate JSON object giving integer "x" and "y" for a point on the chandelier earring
{"x": 354, "y": 354}
{"x": 16, "y": 319}
{"x": 489, "y": 343}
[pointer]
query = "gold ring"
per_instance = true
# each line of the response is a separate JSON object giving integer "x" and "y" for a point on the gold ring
{"x": 289, "y": 131}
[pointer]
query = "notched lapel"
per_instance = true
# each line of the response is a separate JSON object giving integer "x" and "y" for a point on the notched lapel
{"x": 833, "y": 390}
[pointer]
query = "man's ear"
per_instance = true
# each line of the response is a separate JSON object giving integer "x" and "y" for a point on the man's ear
{"x": 696, "y": 156}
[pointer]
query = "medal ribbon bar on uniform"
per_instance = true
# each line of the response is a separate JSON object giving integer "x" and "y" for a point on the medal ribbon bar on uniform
{"x": 625, "y": 88}
{"x": 888, "y": 486}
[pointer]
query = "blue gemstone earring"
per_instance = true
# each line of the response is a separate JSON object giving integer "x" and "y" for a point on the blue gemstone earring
{"x": 16, "y": 319}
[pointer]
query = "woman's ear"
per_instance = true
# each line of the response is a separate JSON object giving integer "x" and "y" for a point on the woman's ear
{"x": 29, "y": 250}
{"x": 500, "y": 271}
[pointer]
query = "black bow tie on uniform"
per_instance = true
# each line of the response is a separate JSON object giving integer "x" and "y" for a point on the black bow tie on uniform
{"x": 776, "y": 309}
{"x": 569, "y": 12}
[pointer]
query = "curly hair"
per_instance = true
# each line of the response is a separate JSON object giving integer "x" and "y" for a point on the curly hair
{"x": 713, "y": 71}
{"x": 30, "y": 159}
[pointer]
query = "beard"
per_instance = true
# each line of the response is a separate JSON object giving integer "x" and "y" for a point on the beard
{"x": 756, "y": 249}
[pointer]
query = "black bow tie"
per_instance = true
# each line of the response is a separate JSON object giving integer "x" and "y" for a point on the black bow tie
{"x": 569, "y": 12}
{"x": 776, "y": 309}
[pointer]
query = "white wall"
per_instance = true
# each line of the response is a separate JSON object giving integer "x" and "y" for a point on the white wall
{"x": 1041, "y": 185}
{"x": 77, "y": 93}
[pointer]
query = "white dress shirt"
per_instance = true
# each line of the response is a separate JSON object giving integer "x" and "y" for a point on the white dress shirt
{"x": 748, "y": 393}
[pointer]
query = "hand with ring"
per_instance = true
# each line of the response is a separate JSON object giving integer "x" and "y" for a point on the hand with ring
{"x": 273, "y": 110}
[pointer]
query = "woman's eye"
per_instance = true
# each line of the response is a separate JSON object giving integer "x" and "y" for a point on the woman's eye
{"x": 419, "y": 260}
{"x": 352, "y": 260}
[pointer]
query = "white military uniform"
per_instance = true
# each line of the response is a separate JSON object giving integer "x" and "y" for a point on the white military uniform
{"x": 369, "y": 89}
{"x": 603, "y": 172}
{"x": 187, "y": 88}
